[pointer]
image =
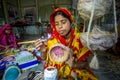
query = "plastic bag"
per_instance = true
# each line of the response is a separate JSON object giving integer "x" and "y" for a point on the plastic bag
{"x": 98, "y": 39}
{"x": 101, "y": 7}
{"x": 94, "y": 62}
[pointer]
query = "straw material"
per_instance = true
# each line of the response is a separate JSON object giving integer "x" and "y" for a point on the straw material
{"x": 59, "y": 53}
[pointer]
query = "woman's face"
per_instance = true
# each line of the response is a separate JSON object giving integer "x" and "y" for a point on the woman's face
{"x": 62, "y": 25}
{"x": 7, "y": 31}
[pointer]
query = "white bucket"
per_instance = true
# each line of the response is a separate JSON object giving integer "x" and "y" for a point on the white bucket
{"x": 50, "y": 73}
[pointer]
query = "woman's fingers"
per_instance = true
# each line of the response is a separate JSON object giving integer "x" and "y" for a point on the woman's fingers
{"x": 39, "y": 43}
{"x": 39, "y": 47}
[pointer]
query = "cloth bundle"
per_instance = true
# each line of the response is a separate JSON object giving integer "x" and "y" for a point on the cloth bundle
{"x": 98, "y": 39}
{"x": 100, "y": 7}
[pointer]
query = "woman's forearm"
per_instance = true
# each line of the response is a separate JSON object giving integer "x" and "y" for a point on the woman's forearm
{"x": 43, "y": 56}
{"x": 2, "y": 46}
{"x": 80, "y": 65}
{"x": 6, "y": 47}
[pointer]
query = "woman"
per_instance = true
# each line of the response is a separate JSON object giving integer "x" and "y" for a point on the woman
{"x": 63, "y": 33}
{"x": 7, "y": 39}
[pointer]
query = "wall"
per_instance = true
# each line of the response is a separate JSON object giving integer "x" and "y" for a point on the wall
{"x": 44, "y": 7}
{"x": 2, "y": 18}
{"x": 43, "y": 10}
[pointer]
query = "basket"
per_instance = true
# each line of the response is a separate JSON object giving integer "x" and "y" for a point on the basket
{"x": 59, "y": 53}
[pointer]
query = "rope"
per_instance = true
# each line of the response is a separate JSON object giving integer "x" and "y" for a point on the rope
{"x": 116, "y": 31}
{"x": 91, "y": 18}
{"x": 89, "y": 25}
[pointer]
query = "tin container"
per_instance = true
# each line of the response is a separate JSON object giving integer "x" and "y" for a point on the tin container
{"x": 50, "y": 73}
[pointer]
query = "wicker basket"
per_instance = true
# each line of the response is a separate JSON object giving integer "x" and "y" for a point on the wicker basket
{"x": 59, "y": 53}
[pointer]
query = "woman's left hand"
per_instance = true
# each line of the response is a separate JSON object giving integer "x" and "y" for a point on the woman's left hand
{"x": 70, "y": 60}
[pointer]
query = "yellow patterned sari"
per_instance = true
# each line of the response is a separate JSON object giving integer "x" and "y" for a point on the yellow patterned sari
{"x": 79, "y": 52}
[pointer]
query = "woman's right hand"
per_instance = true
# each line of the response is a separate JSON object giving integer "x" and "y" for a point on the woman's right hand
{"x": 40, "y": 45}
{"x": 7, "y": 47}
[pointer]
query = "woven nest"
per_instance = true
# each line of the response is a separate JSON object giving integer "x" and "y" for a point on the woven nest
{"x": 59, "y": 53}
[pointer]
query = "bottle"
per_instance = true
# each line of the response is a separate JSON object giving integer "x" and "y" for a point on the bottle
{"x": 36, "y": 52}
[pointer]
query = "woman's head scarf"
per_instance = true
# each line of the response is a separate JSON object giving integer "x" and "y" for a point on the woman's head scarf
{"x": 7, "y": 39}
{"x": 5, "y": 27}
{"x": 64, "y": 10}
{"x": 55, "y": 33}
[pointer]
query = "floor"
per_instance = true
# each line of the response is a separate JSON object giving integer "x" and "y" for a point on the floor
{"x": 109, "y": 64}
{"x": 109, "y": 67}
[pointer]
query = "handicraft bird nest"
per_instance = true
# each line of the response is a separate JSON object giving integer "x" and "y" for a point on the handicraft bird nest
{"x": 59, "y": 53}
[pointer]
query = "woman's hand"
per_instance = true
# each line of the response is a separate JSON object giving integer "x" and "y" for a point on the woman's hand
{"x": 7, "y": 47}
{"x": 81, "y": 64}
{"x": 40, "y": 45}
{"x": 70, "y": 60}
